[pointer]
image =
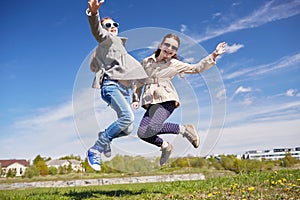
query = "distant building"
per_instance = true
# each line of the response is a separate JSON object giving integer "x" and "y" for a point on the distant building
{"x": 274, "y": 154}
{"x": 17, "y": 166}
{"x": 75, "y": 164}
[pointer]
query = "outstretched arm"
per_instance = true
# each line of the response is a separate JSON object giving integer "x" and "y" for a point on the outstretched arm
{"x": 205, "y": 63}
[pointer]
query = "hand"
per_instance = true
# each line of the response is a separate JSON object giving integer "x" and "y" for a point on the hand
{"x": 135, "y": 105}
{"x": 94, "y": 6}
{"x": 220, "y": 49}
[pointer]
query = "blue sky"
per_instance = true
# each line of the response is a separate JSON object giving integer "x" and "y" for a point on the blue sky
{"x": 44, "y": 46}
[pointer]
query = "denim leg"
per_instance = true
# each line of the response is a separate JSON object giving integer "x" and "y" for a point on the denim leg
{"x": 118, "y": 98}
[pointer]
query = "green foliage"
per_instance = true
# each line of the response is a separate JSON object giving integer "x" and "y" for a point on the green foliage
{"x": 245, "y": 166}
{"x": 288, "y": 160}
{"x": 71, "y": 157}
{"x": 87, "y": 167}
{"x": 62, "y": 170}
{"x": 128, "y": 164}
{"x": 269, "y": 185}
{"x": 214, "y": 163}
{"x": 11, "y": 173}
{"x": 31, "y": 171}
{"x": 227, "y": 162}
{"x": 198, "y": 162}
{"x": 69, "y": 169}
{"x": 42, "y": 167}
{"x": 53, "y": 170}
{"x": 37, "y": 159}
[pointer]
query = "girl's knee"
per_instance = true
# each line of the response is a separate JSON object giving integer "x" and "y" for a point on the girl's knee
{"x": 141, "y": 133}
{"x": 129, "y": 117}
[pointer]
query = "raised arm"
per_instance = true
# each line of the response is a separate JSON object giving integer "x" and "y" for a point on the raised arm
{"x": 94, "y": 19}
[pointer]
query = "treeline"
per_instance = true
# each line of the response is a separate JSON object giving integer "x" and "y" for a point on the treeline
{"x": 142, "y": 165}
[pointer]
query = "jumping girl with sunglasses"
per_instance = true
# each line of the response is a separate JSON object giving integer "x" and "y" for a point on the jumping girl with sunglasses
{"x": 114, "y": 71}
{"x": 160, "y": 98}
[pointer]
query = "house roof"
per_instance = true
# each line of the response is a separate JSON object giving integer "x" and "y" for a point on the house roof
{"x": 6, "y": 163}
{"x": 75, "y": 162}
{"x": 57, "y": 162}
{"x": 62, "y": 162}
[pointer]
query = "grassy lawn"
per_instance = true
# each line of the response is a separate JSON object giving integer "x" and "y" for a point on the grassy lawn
{"x": 281, "y": 184}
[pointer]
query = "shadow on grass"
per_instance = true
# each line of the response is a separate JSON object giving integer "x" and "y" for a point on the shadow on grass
{"x": 102, "y": 193}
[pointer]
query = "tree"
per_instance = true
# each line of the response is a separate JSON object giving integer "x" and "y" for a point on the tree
{"x": 71, "y": 157}
{"x": 41, "y": 166}
{"x": 69, "y": 169}
{"x": 53, "y": 170}
{"x": 31, "y": 171}
{"x": 37, "y": 159}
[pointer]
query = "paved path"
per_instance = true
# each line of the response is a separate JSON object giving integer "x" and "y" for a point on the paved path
{"x": 103, "y": 181}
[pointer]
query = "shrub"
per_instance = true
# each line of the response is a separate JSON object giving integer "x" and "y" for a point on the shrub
{"x": 53, "y": 170}
{"x": 31, "y": 171}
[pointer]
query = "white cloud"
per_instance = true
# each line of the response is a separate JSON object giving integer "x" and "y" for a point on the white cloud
{"x": 259, "y": 136}
{"x": 269, "y": 12}
{"x": 287, "y": 62}
{"x": 183, "y": 28}
{"x": 241, "y": 89}
{"x": 290, "y": 93}
{"x": 52, "y": 133}
{"x": 247, "y": 101}
{"x": 215, "y": 15}
{"x": 221, "y": 95}
{"x": 233, "y": 48}
{"x": 264, "y": 112}
{"x": 154, "y": 45}
{"x": 189, "y": 60}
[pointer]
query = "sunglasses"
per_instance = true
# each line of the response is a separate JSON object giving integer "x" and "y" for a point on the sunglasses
{"x": 108, "y": 25}
{"x": 169, "y": 45}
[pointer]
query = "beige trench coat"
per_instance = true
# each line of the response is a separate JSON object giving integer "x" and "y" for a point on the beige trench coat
{"x": 158, "y": 87}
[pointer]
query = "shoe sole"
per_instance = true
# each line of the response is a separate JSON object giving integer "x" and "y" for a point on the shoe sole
{"x": 196, "y": 142}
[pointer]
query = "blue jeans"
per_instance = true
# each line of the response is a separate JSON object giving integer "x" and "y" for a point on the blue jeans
{"x": 118, "y": 97}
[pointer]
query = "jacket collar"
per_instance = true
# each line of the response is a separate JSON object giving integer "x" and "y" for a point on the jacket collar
{"x": 154, "y": 59}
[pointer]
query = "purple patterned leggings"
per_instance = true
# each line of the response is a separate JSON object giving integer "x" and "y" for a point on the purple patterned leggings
{"x": 153, "y": 123}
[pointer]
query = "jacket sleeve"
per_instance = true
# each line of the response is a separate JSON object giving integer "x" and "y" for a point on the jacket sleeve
{"x": 137, "y": 87}
{"x": 203, "y": 65}
{"x": 95, "y": 25}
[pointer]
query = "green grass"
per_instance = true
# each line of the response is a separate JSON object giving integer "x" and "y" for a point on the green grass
{"x": 283, "y": 184}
